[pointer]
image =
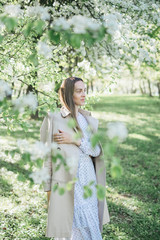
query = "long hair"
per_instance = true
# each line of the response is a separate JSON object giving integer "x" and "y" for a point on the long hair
{"x": 66, "y": 97}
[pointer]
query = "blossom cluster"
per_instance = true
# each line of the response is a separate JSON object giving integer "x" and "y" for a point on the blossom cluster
{"x": 5, "y": 89}
{"x": 117, "y": 129}
{"x": 29, "y": 100}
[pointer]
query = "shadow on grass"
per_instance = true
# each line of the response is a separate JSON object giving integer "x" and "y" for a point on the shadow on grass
{"x": 33, "y": 132}
{"x": 131, "y": 223}
{"x": 129, "y": 104}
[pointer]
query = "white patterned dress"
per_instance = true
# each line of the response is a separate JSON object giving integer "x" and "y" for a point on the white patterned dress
{"x": 85, "y": 220}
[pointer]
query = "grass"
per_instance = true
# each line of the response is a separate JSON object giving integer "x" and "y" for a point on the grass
{"x": 133, "y": 200}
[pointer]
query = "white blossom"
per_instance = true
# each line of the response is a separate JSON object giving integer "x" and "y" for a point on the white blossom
{"x": 5, "y": 90}
{"x": 2, "y": 27}
{"x": 54, "y": 145}
{"x": 38, "y": 11}
{"x": 13, "y": 10}
{"x": 61, "y": 23}
{"x": 72, "y": 164}
{"x": 23, "y": 145}
{"x": 9, "y": 70}
{"x": 36, "y": 150}
{"x": 29, "y": 100}
{"x": 45, "y": 50}
{"x": 144, "y": 55}
{"x": 40, "y": 176}
{"x": 56, "y": 4}
{"x": 117, "y": 129}
{"x": 39, "y": 150}
{"x": 111, "y": 23}
{"x": 20, "y": 66}
{"x": 84, "y": 64}
{"x": 81, "y": 24}
{"x": 49, "y": 87}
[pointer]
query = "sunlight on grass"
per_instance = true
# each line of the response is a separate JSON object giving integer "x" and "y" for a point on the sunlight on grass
{"x": 127, "y": 200}
{"x": 111, "y": 115}
{"x": 139, "y": 136}
{"x": 127, "y": 147}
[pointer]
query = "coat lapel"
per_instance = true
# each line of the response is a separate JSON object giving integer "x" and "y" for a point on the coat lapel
{"x": 93, "y": 122}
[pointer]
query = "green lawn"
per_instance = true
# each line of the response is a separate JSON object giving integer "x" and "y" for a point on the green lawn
{"x": 133, "y": 200}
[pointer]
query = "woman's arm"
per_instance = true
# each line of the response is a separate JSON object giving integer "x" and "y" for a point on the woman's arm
{"x": 87, "y": 148}
{"x": 83, "y": 143}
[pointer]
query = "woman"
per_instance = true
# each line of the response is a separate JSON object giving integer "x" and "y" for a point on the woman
{"x": 71, "y": 216}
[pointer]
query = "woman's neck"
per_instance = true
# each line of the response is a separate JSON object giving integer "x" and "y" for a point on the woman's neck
{"x": 76, "y": 109}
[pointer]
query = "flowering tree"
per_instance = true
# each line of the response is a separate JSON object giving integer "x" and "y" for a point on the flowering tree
{"x": 45, "y": 41}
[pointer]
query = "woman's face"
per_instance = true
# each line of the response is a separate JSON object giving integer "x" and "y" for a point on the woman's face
{"x": 79, "y": 93}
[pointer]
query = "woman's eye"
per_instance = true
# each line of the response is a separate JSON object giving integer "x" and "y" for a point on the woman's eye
{"x": 81, "y": 91}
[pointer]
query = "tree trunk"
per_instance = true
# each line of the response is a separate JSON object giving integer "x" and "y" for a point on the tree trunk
{"x": 19, "y": 91}
{"x": 144, "y": 88}
{"x": 149, "y": 88}
{"x": 32, "y": 89}
{"x": 92, "y": 86}
{"x": 141, "y": 88}
{"x": 158, "y": 86}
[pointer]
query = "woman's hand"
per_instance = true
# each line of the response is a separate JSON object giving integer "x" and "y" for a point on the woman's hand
{"x": 64, "y": 137}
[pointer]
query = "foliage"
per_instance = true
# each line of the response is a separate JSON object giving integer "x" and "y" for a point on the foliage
{"x": 133, "y": 199}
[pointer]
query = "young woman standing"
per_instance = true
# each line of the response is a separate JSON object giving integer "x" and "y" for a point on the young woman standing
{"x": 71, "y": 216}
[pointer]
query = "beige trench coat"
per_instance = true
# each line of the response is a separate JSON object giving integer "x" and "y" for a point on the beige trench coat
{"x": 61, "y": 207}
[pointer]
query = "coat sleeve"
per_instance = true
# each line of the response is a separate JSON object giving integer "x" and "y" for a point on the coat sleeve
{"x": 45, "y": 137}
{"x": 87, "y": 148}
{"x": 86, "y": 145}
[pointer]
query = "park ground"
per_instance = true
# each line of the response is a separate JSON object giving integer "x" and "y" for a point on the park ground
{"x": 133, "y": 199}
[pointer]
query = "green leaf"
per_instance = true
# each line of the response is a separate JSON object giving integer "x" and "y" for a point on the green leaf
{"x": 54, "y": 36}
{"x": 69, "y": 186}
{"x": 57, "y": 167}
{"x": 21, "y": 177}
{"x": 61, "y": 190}
{"x": 109, "y": 149}
{"x": 9, "y": 22}
{"x": 88, "y": 39}
{"x": 6, "y": 152}
{"x": 91, "y": 183}
{"x": 33, "y": 58}
{"x": 77, "y": 135}
{"x": 39, "y": 26}
{"x": 54, "y": 158}
{"x": 116, "y": 171}
{"x": 71, "y": 123}
{"x": 26, "y": 157}
{"x": 55, "y": 187}
{"x": 87, "y": 192}
{"x": 94, "y": 140}
{"x": 28, "y": 29}
{"x": 75, "y": 40}
{"x": 12, "y": 153}
{"x": 101, "y": 192}
{"x": 39, "y": 162}
{"x": 101, "y": 33}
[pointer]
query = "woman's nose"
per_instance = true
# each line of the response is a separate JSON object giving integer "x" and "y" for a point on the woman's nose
{"x": 83, "y": 93}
